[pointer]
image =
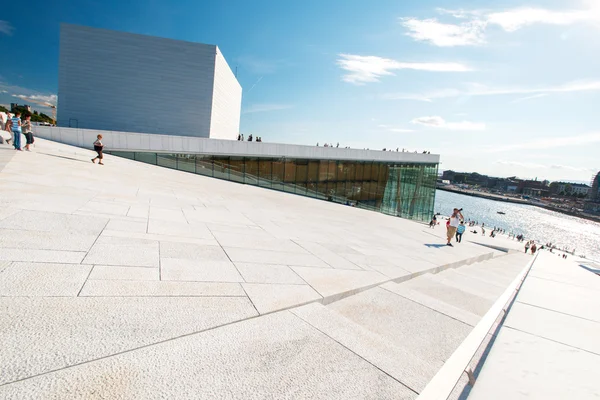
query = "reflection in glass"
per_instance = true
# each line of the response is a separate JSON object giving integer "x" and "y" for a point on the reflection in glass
{"x": 405, "y": 190}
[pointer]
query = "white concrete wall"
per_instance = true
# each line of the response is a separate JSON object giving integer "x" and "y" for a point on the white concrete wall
{"x": 127, "y": 82}
{"x": 128, "y": 141}
{"x": 227, "y": 102}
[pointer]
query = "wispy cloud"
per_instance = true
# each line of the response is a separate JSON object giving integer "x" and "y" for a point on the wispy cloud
{"x": 549, "y": 143}
{"x": 6, "y": 28}
{"x": 531, "y": 165}
{"x": 45, "y": 100}
{"x": 264, "y": 107}
{"x": 471, "y": 28}
{"x": 394, "y": 129}
{"x": 364, "y": 69}
{"x": 445, "y": 35}
{"x": 535, "y": 96}
{"x": 475, "y": 89}
{"x": 439, "y": 122}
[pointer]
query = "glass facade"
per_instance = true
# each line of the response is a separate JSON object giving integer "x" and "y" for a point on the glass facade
{"x": 405, "y": 190}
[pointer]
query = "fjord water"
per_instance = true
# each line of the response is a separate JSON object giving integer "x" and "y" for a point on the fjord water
{"x": 534, "y": 222}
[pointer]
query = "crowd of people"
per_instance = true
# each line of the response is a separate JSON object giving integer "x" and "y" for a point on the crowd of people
{"x": 456, "y": 226}
{"x": 13, "y": 127}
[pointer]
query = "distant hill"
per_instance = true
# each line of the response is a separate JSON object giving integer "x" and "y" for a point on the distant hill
{"x": 35, "y": 116}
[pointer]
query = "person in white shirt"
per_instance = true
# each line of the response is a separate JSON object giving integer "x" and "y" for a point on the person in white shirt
{"x": 453, "y": 225}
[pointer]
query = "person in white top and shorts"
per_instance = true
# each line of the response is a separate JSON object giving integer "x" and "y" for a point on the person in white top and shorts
{"x": 453, "y": 225}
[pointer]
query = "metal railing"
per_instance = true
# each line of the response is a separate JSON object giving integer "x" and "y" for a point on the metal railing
{"x": 444, "y": 382}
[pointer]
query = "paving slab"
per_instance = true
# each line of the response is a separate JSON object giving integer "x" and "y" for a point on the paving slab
{"x": 175, "y": 228}
{"x": 274, "y": 257}
{"x": 430, "y": 335}
{"x": 573, "y": 331}
{"x": 430, "y": 286}
{"x": 524, "y": 366}
{"x": 295, "y": 361}
{"x": 110, "y": 272}
{"x": 199, "y": 270}
{"x": 47, "y": 222}
{"x": 123, "y": 251}
{"x": 436, "y": 304}
{"x": 394, "y": 359}
{"x": 330, "y": 282}
{"x": 39, "y": 335}
{"x": 573, "y": 300}
{"x": 43, "y": 240}
{"x": 273, "y": 297}
{"x": 116, "y": 288}
{"x": 268, "y": 273}
{"x": 42, "y": 279}
{"x": 43, "y": 256}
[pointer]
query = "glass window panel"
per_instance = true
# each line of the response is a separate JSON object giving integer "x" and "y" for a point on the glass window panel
{"x": 236, "y": 169}
{"x": 289, "y": 176}
{"x": 186, "y": 162}
{"x": 264, "y": 171}
{"x": 331, "y": 178}
{"x": 251, "y": 171}
{"x": 301, "y": 176}
{"x": 167, "y": 160}
{"x": 149, "y": 158}
{"x": 124, "y": 154}
{"x": 312, "y": 178}
{"x": 221, "y": 167}
{"x": 277, "y": 173}
{"x": 204, "y": 165}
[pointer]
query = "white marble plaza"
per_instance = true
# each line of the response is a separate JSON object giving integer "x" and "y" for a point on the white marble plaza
{"x": 134, "y": 281}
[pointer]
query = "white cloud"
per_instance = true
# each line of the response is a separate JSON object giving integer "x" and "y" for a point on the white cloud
{"x": 6, "y": 28}
{"x": 439, "y": 122}
{"x": 513, "y": 20}
{"x": 445, "y": 35}
{"x": 475, "y": 89}
{"x": 363, "y": 69}
{"x": 474, "y": 23}
{"x": 549, "y": 143}
{"x": 535, "y": 96}
{"x": 530, "y": 165}
{"x": 254, "y": 108}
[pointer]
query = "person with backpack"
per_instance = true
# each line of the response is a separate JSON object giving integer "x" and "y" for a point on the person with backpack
{"x": 459, "y": 231}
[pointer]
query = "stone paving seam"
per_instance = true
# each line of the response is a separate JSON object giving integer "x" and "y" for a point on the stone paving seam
{"x": 316, "y": 255}
{"x": 131, "y": 350}
{"x": 550, "y": 340}
{"x": 433, "y": 309}
{"x": 93, "y": 244}
{"x": 342, "y": 295}
{"x": 558, "y": 312}
{"x": 356, "y": 354}
{"x": 236, "y": 268}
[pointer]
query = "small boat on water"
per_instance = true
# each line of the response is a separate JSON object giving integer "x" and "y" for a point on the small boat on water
{"x": 501, "y": 212}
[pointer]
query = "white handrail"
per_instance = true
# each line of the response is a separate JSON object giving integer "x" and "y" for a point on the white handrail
{"x": 443, "y": 383}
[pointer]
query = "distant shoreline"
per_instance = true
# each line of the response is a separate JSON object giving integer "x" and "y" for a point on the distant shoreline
{"x": 505, "y": 199}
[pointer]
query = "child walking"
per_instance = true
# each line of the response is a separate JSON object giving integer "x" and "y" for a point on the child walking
{"x": 98, "y": 146}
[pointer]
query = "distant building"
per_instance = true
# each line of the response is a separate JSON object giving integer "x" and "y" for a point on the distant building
{"x": 121, "y": 81}
{"x": 25, "y": 106}
{"x": 570, "y": 189}
{"x": 533, "y": 188}
{"x": 592, "y": 205}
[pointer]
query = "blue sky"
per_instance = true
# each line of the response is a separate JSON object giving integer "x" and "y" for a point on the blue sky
{"x": 500, "y": 87}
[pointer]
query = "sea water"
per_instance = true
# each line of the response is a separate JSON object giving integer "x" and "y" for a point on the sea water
{"x": 539, "y": 224}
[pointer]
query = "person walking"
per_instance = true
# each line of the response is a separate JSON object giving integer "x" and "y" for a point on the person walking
{"x": 15, "y": 126}
{"x": 27, "y": 132}
{"x": 433, "y": 222}
{"x": 459, "y": 231}
{"x": 533, "y": 248}
{"x": 526, "y": 247}
{"x": 453, "y": 223}
{"x": 98, "y": 146}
